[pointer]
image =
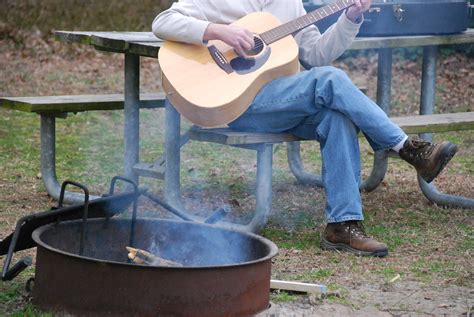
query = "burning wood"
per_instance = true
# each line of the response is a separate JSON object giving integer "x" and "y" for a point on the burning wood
{"x": 146, "y": 258}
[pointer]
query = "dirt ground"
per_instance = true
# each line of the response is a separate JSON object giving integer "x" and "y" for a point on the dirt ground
{"x": 397, "y": 299}
{"x": 431, "y": 247}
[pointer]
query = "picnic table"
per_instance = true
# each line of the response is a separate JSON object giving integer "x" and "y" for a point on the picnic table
{"x": 134, "y": 45}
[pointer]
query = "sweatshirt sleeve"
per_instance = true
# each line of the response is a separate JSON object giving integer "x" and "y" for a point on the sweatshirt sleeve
{"x": 183, "y": 22}
{"x": 318, "y": 49}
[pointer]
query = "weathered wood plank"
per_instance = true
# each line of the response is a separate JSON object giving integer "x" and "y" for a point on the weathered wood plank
{"x": 73, "y": 37}
{"x": 407, "y": 41}
{"x": 298, "y": 287}
{"x": 410, "y": 124}
{"x": 146, "y": 44}
{"x": 436, "y": 122}
{"x": 77, "y": 103}
{"x": 84, "y": 36}
{"x": 231, "y": 137}
{"x": 120, "y": 41}
{"x": 147, "y": 49}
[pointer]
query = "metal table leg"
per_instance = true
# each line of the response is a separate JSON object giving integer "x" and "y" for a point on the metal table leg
{"x": 297, "y": 168}
{"x": 131, "y": 115}
{"x": 172, "y": 157}
{"x": 384, "y": 95}
{"x": 427, "y": 104}
{"x": 131, "y": 135}
{"x": 384, "y": 81}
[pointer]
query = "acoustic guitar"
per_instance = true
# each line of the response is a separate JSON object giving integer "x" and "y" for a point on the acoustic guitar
{"x": 212, "y": 85}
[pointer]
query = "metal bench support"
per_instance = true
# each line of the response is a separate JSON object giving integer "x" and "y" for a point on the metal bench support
{"x": 379, "y": 168}
{"x": 48, "y": 162}
{"x": 380, "y": 164}
{"x": 427, "y": 102}
{"x": 173, "y": 183}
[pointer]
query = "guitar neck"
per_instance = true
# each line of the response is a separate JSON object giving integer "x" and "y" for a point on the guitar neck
{"x": 300, "y": 23}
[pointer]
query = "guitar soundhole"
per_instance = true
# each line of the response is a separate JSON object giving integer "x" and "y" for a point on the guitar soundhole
{"x": 258, "y": 47}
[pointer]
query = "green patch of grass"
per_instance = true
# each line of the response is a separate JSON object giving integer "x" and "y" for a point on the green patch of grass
{"x": 30, "y": 311}
{"x": 10, "y": 293}
{"x": 426, "y": 270}
{"x": 342, "y": 294}
{"x": 282, "y": 296}
{"x": 313, "y": 275}
{"x": 19, "y": 144}
{"x": 299, "y": 240}
{"x": 387, "y": 272}
{"x": 465, "y": 241}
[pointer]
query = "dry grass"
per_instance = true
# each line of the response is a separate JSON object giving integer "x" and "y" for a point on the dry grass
{"x": 431, "y": 247}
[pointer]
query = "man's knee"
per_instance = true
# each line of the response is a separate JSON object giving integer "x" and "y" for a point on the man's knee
{"x": 330, "y": 73}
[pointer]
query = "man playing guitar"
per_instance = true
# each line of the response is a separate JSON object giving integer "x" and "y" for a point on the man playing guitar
{"x": 320, "y": 104}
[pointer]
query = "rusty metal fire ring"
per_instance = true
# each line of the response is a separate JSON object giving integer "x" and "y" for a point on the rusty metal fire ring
{"x": 226, "y": 272}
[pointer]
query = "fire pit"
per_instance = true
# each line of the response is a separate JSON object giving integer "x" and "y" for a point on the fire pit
{"x": 225, "y": 272}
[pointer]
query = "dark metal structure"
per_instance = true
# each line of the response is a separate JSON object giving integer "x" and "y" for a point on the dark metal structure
{"x": 406, "y": 17}
{"x": 82, "y": 264}
{"x": 226, "y": 272}
{"x": 106, "y": 206}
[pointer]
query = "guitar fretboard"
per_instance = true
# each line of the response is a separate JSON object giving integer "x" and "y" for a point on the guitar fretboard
{"x": 300, "y": 23}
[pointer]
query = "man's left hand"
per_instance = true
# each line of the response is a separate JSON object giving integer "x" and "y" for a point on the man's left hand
{"x": 355, "y": 12}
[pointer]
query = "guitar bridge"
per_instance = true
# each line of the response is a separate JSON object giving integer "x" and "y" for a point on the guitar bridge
{"x": 220, "y": 59}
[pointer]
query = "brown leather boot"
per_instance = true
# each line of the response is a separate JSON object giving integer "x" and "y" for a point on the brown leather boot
{"x": 428, "y": 159}
{"x": 350, "y": 236}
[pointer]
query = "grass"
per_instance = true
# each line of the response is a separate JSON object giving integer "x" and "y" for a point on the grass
{"x": 211, "y": 172}
{"x": 30, "y": 311}
{"x": 283, "y": 296}
{"x": 427, "y": 244}
{"x": 298, "y": 240}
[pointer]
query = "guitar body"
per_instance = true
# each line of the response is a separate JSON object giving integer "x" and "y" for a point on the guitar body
{"x": 208, "y": 95}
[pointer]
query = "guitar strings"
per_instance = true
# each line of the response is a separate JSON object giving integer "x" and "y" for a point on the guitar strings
{"x": 261, "y": 43}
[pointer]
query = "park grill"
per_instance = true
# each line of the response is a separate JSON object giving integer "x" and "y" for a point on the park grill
{"x": 82, "y": 265}
{"x": 406, "y": 17}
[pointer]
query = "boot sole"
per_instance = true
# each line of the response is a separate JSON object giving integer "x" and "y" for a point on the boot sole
{"x": 446, "y": 155}
{"x": 326, "y": 245}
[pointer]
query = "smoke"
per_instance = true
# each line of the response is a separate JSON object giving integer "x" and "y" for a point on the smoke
{"x": 187, "y": 243}
{"x": 195, "y": 245}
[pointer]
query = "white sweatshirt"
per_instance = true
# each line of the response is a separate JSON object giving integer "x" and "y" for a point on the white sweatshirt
{"x": 187, "y": 20}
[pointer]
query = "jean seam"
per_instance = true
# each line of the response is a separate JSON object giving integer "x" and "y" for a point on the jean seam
{"x": 346, "y": 218}
{"x": 296, "y": 98}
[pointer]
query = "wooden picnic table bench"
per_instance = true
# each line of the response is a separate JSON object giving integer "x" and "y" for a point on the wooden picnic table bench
{"x": 144, "y": 44}
{"x": 77, "y": 103}
{"x": 51, "y": 107}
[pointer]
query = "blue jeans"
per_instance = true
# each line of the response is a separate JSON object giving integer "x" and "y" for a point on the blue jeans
{"x": 323, "y": 104}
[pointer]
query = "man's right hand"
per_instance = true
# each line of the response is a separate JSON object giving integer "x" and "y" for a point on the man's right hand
{"x": 237, "y": 37}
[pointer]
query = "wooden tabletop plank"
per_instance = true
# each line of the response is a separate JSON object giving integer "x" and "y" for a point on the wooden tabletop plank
{"x": 412, "y": 40}
{"x": 73, "y": 37}
{"x": 148, "y": 49}
{"x": 120, "y": 41}
{"x": 147, "y": 44}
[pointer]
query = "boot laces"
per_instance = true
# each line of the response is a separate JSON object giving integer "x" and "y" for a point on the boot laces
{"x": 420, "y": 148}
{"x": 357, "y": 229}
